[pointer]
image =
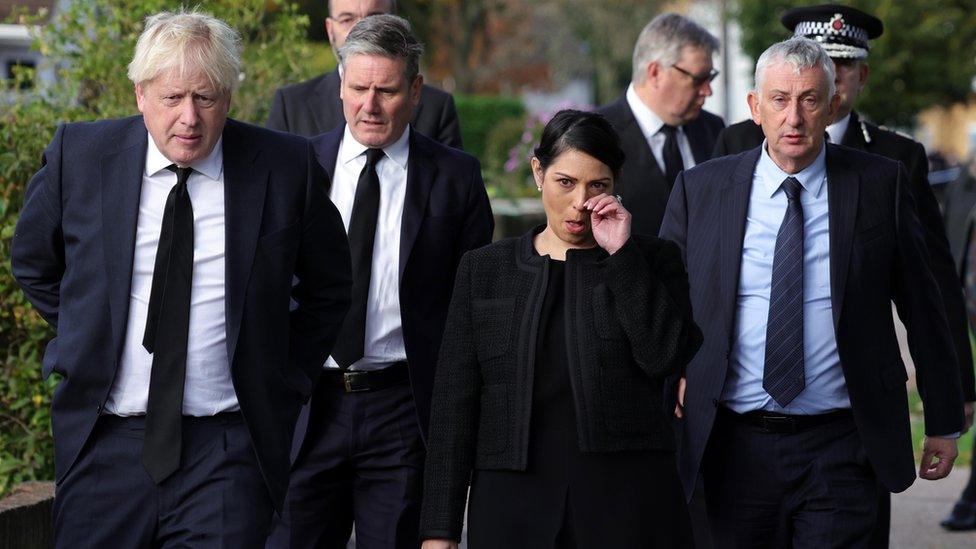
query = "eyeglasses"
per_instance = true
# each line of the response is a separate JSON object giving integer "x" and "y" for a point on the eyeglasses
{"x": 697, "y": 80}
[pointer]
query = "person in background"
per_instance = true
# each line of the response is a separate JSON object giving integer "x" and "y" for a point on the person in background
{"x": 548, "y": 393}
{"x": 313, "y": 107}
{"x": 662, "y": 126}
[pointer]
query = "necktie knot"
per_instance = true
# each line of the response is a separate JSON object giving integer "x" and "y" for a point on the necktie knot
{"x": 792, "y": 188}
{"x": 668, "y": 130}
{"x": 373, "y": 156}
{"x": 182, "y": 175}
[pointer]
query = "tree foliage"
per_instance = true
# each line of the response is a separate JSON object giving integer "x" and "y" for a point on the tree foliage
{"x": 89, "y": 45}
{"x": 926, "y": 56}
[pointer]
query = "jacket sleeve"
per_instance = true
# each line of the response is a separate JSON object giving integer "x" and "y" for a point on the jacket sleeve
{"x": 449, "y": 131}
{"x": 943, "y": 267}
{"x": 920, "y": 308}
{"x": 323, "y": 273}
{"x": 37, "y": 251}
{"x": 277, "y": 117}
{"x": 479, "y": 224}
{"x": 651, "y": 301}
{"x": 454, "y": 419}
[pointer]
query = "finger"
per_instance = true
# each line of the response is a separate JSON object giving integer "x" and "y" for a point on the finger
{"x": 925, "y": 464}
{"x": 609, "y": 208}
{"x": 682, "y": 384}
{"x": 590, "y": 202}
{"x": 600, "y": 203}
{"x": 679, "y": 411}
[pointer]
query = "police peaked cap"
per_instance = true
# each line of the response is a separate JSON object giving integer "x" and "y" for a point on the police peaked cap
{"x": 842, "y": 30}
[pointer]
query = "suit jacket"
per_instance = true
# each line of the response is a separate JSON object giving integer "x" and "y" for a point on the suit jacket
{"x": 960, "y": 210}
{"x": 864, "y": 136}
{"x": 446, "y": 212}
{"x": 313, "y": 107}
{"x": 641, "y": 183}
{"x": 73, "y": 252}
{"x": 877, "y": 255}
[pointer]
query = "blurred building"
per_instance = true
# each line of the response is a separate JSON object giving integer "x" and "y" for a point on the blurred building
{"x": 15, "y": 38}
{"x": 950, "y": 130}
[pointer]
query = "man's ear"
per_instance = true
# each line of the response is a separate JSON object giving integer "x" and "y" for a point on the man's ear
{"x": 415, "y": 87}
{"x": 863, "y": 74}
{"x": 753, "y": 100}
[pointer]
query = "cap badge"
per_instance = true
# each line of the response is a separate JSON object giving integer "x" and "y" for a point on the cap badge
{"x": 837, "y": 22}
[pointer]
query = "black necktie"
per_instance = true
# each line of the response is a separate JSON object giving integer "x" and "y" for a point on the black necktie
{"x": 362, "y": 232}
{"x": 167, "y": 326}
{"x": 783, "y": 372}
{"x": 672, "y": 154}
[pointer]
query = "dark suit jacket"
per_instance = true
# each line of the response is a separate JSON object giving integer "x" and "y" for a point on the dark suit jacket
{"x": 864, "y": 136}
{"x": 73, "y": 250}
{"x": 641, "y": 183}
{"x": 445, "y": 213}
{"x": 313, "y": 107}
{"x": 630, "y": 327}
{"x": 877, "y": 255}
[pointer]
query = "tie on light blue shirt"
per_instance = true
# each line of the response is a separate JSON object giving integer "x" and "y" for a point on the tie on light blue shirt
{"x": 825, "y": 387}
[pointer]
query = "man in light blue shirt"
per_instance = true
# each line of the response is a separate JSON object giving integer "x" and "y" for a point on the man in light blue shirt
{"x": 796, "y": 408}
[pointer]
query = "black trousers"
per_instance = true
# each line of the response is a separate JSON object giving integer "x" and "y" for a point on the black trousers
{"x": 808, "y": 489}
{"x": 216, "y": 499}
{"x": 361, "y": 463}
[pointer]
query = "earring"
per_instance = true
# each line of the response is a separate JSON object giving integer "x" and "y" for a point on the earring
{"x": 538, "y": 188}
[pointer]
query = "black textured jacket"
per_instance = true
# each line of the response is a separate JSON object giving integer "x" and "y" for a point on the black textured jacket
{"x": 628, "y": 327}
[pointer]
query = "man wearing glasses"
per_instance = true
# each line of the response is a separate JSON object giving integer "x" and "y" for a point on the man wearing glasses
{"x": 313, "y": 107}
{"x": 662, "y": 126}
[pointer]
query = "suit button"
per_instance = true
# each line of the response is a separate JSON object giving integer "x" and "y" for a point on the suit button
{"x": 715, "y": 402}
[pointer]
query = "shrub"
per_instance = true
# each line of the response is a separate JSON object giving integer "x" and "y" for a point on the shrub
{"x": 90, "y": 44}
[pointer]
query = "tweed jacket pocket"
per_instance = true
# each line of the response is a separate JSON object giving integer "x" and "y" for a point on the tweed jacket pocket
{"x": 493, "y": 427}
{"x": 493, "y": 320}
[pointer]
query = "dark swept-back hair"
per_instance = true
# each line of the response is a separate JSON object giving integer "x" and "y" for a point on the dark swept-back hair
{"x": 587, "y": 132}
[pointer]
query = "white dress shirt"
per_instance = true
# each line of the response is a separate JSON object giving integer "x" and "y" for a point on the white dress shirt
{"x": 837, "y": 130}
{"x": 650, "y": 125}
{"x": 208, "y": 388}
{"x": 825, "y": 389}
{"x": 384, "y": 332}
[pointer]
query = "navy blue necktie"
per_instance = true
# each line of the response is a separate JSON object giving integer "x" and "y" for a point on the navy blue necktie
{"x": 783, "y": 372}
{"x": 167, "y": 331}
{"x": 362, "y": 233}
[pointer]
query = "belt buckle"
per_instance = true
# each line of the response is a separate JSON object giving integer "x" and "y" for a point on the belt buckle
{"x": 779, "y": 424}
{"x": 347, "y": 378}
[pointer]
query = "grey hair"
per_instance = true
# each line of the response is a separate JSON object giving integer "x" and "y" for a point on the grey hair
{"x": 385, "y": 35}
{"x": 801, "y": 53}
{"x": 188, "y": 41}
{"x": 663, "y": 39}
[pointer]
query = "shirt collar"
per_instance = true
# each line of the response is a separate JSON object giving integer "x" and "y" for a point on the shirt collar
{"x": 811, "y": 178}
{"x": 398, "y": 152}
{"x": 837, "y": 130}
{"x": 211, "y": 166}
{"x": 649, "y": 122}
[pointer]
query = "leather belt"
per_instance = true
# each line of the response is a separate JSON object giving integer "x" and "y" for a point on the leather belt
{"x": 772, "y": 422}
{"x": 361, "y": 381}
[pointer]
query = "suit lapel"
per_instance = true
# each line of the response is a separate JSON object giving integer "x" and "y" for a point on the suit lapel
{"x": 245, "y": 184}
{"x": 734, "y": 206}
{"x": 421, "y": 173}
{"x": 843, "y": 191}
{"x": 121, "y": 188}
{"x": 326, "y": 148}
{"x": 327, "y": 107}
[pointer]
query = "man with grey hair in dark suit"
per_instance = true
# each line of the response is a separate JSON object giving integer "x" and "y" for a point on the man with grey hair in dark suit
{"x": 663, "y": 128}
{"x": 313, "y": 106}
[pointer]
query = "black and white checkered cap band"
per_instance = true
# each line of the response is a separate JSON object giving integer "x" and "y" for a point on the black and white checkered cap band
{"x": 825, "y": 28}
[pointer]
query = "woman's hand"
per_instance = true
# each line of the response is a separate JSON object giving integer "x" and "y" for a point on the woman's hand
{"x": 610, "y": 222}
{"x": 439, "y": 544}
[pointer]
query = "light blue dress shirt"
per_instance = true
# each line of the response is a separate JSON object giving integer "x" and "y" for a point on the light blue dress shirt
{"x": 825, "y": 387}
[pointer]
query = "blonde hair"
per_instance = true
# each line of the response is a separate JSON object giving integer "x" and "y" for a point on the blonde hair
{"x": 188, "y": 41}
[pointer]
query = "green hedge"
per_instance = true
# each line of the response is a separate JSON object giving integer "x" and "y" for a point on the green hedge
{"x": 479, "y": 115}
{"x": 90, "y": 43}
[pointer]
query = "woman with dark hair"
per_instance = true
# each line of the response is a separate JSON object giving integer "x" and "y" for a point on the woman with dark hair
{"x": 548, "y": 392}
